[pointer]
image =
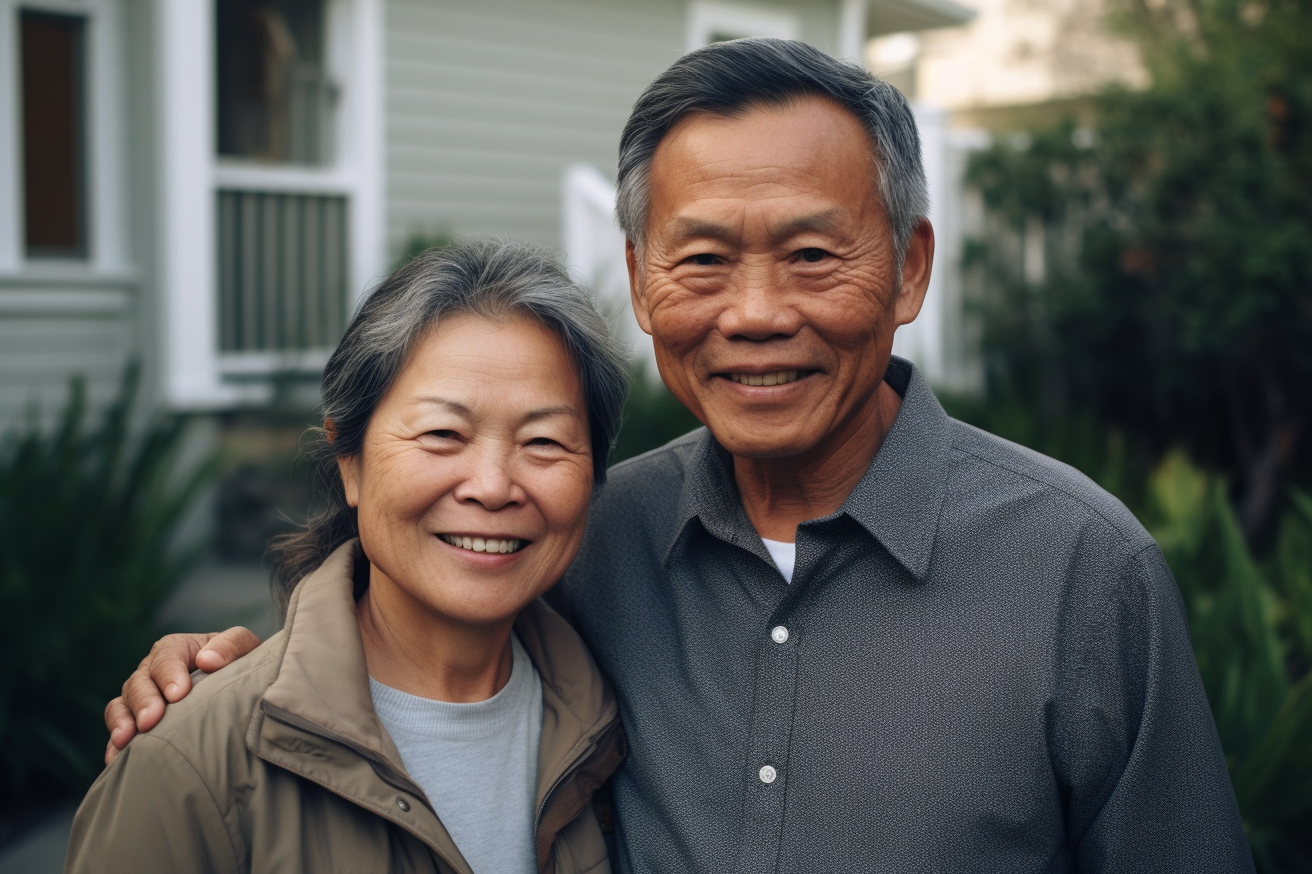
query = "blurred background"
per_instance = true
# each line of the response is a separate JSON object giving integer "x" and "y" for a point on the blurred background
{"x": 194, "y": 194}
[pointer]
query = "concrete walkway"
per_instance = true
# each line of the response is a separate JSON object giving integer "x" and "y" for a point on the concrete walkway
{"x": 216, "y": 597}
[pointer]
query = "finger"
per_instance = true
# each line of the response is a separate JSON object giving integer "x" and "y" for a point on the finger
{"x": 225, "y": 648}
{"x": 122, "y": 727}
{"x": 166, "y": 668}
{"x": 143, "y": 699}
{"x": 169, "y": 666}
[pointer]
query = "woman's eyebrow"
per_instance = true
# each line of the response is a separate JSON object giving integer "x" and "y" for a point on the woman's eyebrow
{"x": 548, "y": 412}
{"x": 453, "y": 406}
{"x": 531, "y": 416}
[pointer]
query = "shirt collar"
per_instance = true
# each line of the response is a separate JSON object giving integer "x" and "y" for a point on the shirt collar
{"x": 897, "y": 501}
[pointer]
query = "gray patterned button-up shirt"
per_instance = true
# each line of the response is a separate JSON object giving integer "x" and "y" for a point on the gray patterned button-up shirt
{"x": 982, "y": 664}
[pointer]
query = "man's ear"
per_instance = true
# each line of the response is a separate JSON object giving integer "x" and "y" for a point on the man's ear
{"x": 916, "y": 268}
{"x": 637, "y": 292}
{"x": 349, "y": 468}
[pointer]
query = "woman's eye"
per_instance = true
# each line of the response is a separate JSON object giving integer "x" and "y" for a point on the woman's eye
{"x": 443, "y": 434}
{"x": 812, "y": 255}
{"x": 542, "y": 441}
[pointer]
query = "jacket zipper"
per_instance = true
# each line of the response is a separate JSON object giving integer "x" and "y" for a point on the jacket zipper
{"x": 577, "y": 763}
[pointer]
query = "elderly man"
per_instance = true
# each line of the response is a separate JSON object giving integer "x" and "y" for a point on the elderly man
{"x": 847, "y": 632}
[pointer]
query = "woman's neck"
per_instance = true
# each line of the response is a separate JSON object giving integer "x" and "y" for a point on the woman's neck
{"x": 409, "y": 649}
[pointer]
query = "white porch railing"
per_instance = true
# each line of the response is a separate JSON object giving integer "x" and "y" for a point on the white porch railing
{"x": 282, "y": 270}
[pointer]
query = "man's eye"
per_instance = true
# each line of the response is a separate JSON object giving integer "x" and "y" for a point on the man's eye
{"x": 443, "y": 434}
{"x": 705, "y": 259}
{"x": 542, "y": 441}
{"x": 812, "y": 255}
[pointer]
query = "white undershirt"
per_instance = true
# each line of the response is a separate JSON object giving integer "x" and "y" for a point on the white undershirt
{"x": 784, "y": 555}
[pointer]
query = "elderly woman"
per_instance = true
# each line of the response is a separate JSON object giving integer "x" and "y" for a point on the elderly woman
{"x": 421, "y": 709}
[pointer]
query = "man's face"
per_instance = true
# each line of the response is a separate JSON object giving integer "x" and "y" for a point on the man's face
{"x": 768, "y": 279}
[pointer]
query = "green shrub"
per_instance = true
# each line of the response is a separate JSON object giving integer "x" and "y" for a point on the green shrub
{"x": 90, "y": 512}
{"x": 1250, "y": 626}
{"x": 652, "y": 418}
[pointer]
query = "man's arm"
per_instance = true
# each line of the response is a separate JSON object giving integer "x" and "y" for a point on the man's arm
{"x": 1137, "y": 746}
{"x": 164, "y": 677}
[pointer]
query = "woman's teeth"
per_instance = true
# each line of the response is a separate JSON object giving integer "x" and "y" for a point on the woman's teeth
{"x": 779, "y": 377}
{"x": 483, "y": 544}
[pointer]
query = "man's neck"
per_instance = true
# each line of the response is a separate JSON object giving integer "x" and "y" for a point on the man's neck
{"x": 781, "y": 493}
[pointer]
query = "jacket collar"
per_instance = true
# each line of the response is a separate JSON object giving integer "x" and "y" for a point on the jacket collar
{"x": 897, "y": 501}
{"x": 322, "y": 689}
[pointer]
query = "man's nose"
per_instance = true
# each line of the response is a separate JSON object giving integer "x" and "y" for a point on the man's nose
{"x": 757, "y": 306}
{"x": 489, "y": 478}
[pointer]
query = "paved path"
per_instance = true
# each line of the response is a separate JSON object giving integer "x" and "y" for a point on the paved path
{"x": 215, "y": 597}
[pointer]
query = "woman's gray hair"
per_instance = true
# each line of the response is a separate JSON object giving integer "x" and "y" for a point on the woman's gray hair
{"x": 729, "y": 78}
{"x": 496, "y": 280}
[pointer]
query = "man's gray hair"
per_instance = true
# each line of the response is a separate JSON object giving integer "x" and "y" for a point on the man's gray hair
{"x": 496, "y": 280}
{"x": 729, "y": 78}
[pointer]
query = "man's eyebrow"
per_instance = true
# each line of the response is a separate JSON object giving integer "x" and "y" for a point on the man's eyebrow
{"x": 689, "y": 228}
{"x": 819, "y": 222}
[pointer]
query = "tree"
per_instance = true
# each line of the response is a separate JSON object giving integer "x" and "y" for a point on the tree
{"x": 1176, "y": 306}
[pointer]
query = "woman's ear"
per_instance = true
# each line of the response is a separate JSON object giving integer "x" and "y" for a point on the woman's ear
{"x": 349, "y": 468}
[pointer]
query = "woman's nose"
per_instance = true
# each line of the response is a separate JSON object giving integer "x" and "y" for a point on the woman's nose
{"x": 489, "y": 480}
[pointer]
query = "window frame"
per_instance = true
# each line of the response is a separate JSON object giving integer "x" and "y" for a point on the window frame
{"x": 706, "y": 18}
{"x": 106, "y": 246}
{"x": 197, "y": 375}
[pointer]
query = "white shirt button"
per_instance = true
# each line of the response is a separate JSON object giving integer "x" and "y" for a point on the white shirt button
{"x": 778, "y": 634}
{"x": 768, "y": 774}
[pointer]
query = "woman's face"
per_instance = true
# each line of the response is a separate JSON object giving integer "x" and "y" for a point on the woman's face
{"x": 473, "y": 482}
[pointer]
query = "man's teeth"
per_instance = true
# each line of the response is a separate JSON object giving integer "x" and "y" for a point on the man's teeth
{"x": 483, "y": 544}
{"x": 779, "y": 377}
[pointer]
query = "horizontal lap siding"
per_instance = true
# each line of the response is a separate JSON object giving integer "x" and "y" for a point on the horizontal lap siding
{"x": 489, "y": 101}
{"x": 41, "y": 350}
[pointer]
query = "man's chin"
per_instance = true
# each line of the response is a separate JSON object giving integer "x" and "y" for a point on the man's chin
{"x": 761, "y": 446}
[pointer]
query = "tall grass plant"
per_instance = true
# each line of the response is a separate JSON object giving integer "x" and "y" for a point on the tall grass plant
{"x": 90, "y": 512}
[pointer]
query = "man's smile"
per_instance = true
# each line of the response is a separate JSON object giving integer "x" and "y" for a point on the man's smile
{"x": 778, "y": 377}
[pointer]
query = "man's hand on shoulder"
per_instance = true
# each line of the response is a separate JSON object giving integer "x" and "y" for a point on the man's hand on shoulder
{"x": 164, "y": 677}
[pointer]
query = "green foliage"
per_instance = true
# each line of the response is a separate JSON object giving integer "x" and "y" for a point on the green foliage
{"x": 652, "y": 417}
{"x": 1249, "y": 625}
{"x": 90, "y": 513}
{"x": 1175, "y": 232}
{"x": 417, "y": 244}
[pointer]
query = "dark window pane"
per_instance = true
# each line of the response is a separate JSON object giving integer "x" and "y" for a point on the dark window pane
{"x": 274, "y": 98}
{"x": 54, "y": 181}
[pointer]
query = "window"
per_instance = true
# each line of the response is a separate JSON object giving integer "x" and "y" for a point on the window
{"x": 53, "y": 50}
{"x": 710, "y": 22}
{"x": 274, "y": 98}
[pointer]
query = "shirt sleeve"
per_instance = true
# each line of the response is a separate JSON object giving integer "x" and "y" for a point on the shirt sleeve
{"x": 1138, "y": 752}
{"x": 150, "y": 811}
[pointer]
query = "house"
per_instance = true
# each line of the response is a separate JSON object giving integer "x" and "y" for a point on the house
{"x": 209, "y": 185}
